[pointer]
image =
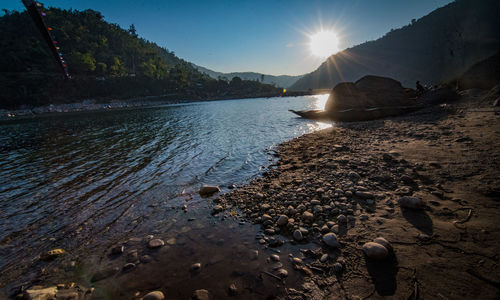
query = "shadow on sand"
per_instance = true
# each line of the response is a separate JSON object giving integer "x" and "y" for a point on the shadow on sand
{"x": 383, "y": 274}
{"x": 419, "y": 219}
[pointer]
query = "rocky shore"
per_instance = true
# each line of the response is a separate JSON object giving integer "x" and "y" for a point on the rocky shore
{"x": 404, "y": 207}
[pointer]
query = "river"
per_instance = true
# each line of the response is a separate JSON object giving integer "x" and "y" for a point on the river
{"x": 78, "y": 180}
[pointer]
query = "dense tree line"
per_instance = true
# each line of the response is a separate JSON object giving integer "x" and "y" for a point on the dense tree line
{"x": 104, "y": 60}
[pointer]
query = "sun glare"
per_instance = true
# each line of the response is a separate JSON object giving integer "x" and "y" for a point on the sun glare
{"x": 324, "y": 43}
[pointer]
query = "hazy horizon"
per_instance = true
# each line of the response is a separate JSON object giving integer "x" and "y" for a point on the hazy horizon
{"x": 269, "y": 38}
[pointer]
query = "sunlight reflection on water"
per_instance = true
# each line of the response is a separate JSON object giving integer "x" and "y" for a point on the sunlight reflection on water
{"x": 319, "y": 103}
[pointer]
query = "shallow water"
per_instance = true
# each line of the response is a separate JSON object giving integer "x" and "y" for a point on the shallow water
{"x": 75, "y": 180}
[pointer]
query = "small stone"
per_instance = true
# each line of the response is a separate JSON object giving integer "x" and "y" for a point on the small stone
{"x": 323, "y": 258}
{"x": 156, "y": 243}
{"x": 307, "y": 216}
{"x": 52, "y": 254}
{"x": 216, "y": 209}
{"x": 41, "y": 294}
{"x": 335, "y": 228}
{"x": 254, "y": 254}
{"x": 195, "y": 267}
{"x": 275, "y": 257}
{"x": 411, "y": 202}
{"x": 282, "y": 220}
{"x": 266, "y": 217}
{"x": 363, "y": 217}
{"x": 364, "y": 195}
{"x": 155, "y": 295}
{"x": 282, "y": 273}
{"x": 383, "y": 242}
{"x": 375, "y": 250}
{"x": 337, "y": 267}
{"x": 342, "y": 219}
{"x": 297, "y": 261}
{"x": 201, "y": 295}
{"x": 297, "y": 235}
{"x": 233, "y": 290}
{"x": 331, "y": 240}
{"x": 171, "y": 241}
{"x": 118, "y": 250}
{"x": 128, "y": 266}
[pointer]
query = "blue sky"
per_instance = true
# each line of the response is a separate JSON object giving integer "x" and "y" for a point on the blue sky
{"x": 269, "y": 37}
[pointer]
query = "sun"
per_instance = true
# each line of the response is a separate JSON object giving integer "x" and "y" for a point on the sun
{"x": 324, "y": 43}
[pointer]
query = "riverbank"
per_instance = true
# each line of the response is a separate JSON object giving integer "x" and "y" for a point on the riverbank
{"x": 94, "y": 105}
{"x": 348, "y": 180}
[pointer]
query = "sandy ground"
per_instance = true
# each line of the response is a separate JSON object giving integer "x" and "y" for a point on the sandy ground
{"x": 447, "y": 155}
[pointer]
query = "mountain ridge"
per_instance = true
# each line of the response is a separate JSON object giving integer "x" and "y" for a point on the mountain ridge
{"x": 432, "y": 49}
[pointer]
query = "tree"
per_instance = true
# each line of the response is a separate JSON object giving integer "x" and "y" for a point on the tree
{"x": 117, "y": 68}
{"x": 132, "y": 31}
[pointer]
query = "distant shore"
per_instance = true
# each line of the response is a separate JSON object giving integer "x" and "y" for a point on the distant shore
{"x": 94, "y": 105}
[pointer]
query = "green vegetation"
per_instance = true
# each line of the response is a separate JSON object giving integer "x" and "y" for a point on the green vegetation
{"x": 105, "y": 62}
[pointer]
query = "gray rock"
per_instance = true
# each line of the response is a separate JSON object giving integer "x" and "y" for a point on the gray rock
{"x": 337, "y": 267}
{"x": 282, "y": 220}
{"x": 323, "y": 258}
{"x": 155, "y": 295}
{"x": 335, "y": 228}
{"x": 208, "y": 190}
{"x": 375, "y": 251}
{"x": 297, "y": 235}
{"x": 411, "y": 202}
{"x": 156, "y": 243}
{"x": 331, "y": 240}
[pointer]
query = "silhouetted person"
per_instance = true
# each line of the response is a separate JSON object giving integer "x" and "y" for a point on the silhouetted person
{"x": 420, "y": 88}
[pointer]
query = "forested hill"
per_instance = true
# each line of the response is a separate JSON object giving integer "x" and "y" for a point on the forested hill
{"x": 432, "y": 49}
{"x": 104, "y": 60}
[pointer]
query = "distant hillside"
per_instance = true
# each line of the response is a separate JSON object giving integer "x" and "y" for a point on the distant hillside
{"x": 432, "y": 49}
{"x": 283, "y": 81}
{"x": 105, "y": 62}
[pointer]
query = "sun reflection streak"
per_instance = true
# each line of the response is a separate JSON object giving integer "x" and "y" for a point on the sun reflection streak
{"x": 319, "y": 103}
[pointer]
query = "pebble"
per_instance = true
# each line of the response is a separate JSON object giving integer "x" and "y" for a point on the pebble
{"x": 282, "y": 220}
{"x": 128, "y": 266}
{"x": 266, "y": 217}
{"x": 275, "y": 257}
{"x": 282, "y": 273}
{"x": 411, "y": 202}
{"x": 331, "y": 240}
{"x": 364, "y": 195}
{"x": 117, "y": 250}
{"x": 208, "y": 190}
{"x": 42, "y": 293}
{"x": 155, "y": 295}
{"x": 323, "y": 258}
{"x": 201, "y": 295}
{"x": 297, "y": 235}
{"x": 52, "y": 254}
{"x": 297, "y": 261}
{"x": 341, "y": 219}
{"x": 233, "y": 290}
{"x": 156, "y": 243}
{"x": 375, "y": 250}
{"x": 337, "y": 267}
{"x": 335, "y": 228}
{"x": 383, "y": 242}
{"x": 307, "y": 216}
{"x": 254, "y": 254}
{"x": 195, "y": 267}
{"x": 217, "y": 208}
{"x": 363, "y": 217}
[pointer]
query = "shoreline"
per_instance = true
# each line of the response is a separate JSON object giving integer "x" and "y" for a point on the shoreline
{"x": 92, "y": 105}
{"x": 349, "y": 179}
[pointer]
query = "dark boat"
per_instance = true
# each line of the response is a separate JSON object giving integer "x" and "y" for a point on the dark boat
{"x": 355, "y": 115}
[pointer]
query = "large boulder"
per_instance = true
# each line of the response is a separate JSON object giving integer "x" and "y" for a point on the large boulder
{"x": 368, "y": 92}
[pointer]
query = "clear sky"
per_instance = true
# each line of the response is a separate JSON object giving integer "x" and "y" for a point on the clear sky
{"x": 269, "y": 37}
